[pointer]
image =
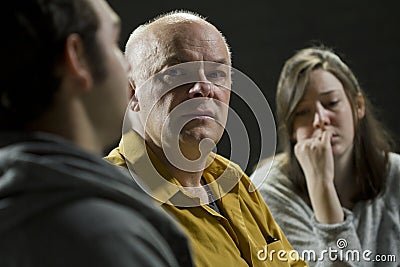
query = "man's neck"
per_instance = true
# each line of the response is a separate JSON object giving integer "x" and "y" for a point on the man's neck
{"x": 70, "y": 123}
{"x": 189, "y": 175}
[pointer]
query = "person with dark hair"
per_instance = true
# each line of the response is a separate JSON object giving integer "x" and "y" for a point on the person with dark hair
{"x": 336, "y": 184}
{"x": 63, "y": 96}
{"x": 181, "y": 86}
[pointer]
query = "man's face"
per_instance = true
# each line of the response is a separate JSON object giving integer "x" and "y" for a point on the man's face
{"x": 109, "y": 99}
{"x": 188, "y": 99}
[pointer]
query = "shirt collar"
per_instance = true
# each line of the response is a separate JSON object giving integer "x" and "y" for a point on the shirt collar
{"x": 221, "y": 174}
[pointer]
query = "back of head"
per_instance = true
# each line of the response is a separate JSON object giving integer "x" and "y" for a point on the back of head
{"x": 35, "y": 32}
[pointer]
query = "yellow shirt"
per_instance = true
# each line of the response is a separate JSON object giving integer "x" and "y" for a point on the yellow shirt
{"x": 236, "y": 237}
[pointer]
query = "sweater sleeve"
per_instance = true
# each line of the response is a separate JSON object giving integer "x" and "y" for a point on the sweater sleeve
{"x": 318, "y": 244}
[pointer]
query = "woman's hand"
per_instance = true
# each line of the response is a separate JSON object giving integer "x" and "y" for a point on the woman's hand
{"x": 316, "y": 159}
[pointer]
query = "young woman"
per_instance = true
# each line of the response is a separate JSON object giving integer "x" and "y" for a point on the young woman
{"x": 335, "y": 188}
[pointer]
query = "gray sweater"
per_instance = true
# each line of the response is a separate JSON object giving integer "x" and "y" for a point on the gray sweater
{"x": 370, "y": 232}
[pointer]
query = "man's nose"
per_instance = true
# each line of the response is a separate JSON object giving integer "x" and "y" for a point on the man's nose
{"x": 321, "y": 118}
{"x": 202, "y": 88}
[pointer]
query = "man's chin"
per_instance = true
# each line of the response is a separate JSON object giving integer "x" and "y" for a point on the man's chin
{"x": 196, "y": 136}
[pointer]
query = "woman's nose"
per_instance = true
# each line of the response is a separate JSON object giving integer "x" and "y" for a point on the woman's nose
{"x": 321, "y": 118}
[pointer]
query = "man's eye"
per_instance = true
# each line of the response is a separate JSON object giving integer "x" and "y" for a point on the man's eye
{"x": 216, "y": 74}
{"x": 173, "y": 72}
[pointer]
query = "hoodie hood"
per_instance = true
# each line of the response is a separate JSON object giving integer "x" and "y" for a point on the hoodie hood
{"x": 40, "y": 171}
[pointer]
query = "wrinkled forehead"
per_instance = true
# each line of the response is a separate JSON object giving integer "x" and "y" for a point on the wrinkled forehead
{"x": 190, "y": 41}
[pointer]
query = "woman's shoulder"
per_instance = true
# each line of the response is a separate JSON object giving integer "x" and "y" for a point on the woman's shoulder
{"x": 394, "y": 165}
{"x": 271, "y": 170}
{"x": 393, "y": 179}
{"x": 275, "y": 186}
{"x": 394, "y": 158}
{"x": 275, "y": 162}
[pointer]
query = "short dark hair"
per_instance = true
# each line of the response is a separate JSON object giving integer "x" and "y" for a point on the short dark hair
{"x": 36, "y": 32}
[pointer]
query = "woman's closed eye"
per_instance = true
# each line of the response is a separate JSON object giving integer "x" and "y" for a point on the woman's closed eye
{"x": 332, "y": 104}
{"x": 302, "y": 112}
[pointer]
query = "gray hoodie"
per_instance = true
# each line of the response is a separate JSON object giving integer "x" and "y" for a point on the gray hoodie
{"x": 61, "y": 206}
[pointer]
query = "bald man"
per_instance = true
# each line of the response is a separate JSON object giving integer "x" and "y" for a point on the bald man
{"x": 61, "y": 204}
{"x": 181, "y": 82}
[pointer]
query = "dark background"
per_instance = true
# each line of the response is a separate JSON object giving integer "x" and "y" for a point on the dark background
{"x": 263, "y": 34}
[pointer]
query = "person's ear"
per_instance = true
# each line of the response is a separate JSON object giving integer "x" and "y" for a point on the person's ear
{"x": 134, "y": 101}
{"x": 76, "y": 62}
{"x": 360, "y": 106}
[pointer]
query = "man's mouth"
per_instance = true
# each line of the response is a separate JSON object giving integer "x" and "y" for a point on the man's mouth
{"x": 206, "y": 114}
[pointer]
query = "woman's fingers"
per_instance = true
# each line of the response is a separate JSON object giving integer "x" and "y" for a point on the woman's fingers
{"x": 326, "y": 138}
{"x": 315, "y": 155}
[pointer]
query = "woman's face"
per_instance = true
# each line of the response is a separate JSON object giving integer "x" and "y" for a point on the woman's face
{"x": 325, "y": 107}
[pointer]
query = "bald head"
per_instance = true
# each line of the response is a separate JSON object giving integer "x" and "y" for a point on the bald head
{"x": 172, "y": 39}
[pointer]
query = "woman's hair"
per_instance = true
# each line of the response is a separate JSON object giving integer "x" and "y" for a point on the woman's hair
{"x": 371, "y": 142}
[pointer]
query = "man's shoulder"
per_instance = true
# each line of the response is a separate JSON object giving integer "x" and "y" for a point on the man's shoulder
{"x": 92, "y": 230}
{"x": 245, "y": 186}
{"x": 89, "y": 218}
{"x": 115, "y": 157}
{"x": 223, "y": 162}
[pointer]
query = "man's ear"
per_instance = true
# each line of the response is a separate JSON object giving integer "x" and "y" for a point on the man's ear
{"x": 134, "y": 101}
{"x": 76, "y": 62}
{"x": 360, "y": 106}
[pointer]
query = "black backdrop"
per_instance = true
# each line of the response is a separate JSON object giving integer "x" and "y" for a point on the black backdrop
{"x": 263, "y": 34}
